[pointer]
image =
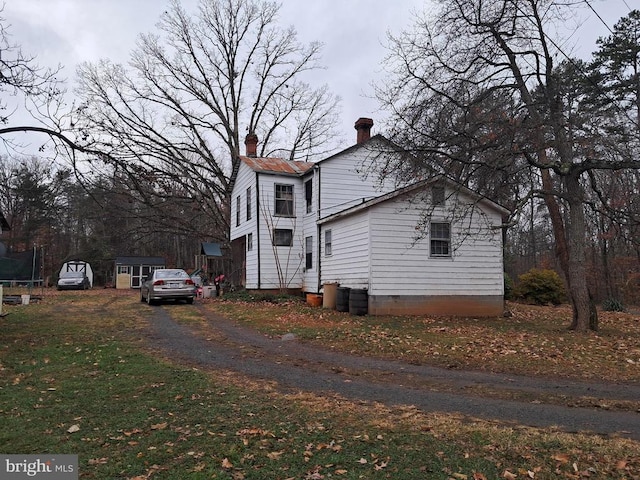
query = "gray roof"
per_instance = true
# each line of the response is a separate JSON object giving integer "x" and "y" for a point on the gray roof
{"x": 138, "y": 260}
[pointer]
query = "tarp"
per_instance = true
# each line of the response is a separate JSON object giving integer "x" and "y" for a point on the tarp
{"x": 20, "y": 267}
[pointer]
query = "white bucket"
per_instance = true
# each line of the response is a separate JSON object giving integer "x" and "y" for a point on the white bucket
{"x": 25, "y": 299}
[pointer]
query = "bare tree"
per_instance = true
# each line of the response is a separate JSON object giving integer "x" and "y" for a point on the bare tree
{"x": 469, "y": 50}
{"x": 190, "y": 94}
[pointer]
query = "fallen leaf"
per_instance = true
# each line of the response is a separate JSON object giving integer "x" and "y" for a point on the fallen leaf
{"x": 226, "y": 463}
{"x": 341, "y": 471}
{"x": 363, "y": 461}
{"x": 73, "y": 429}
{"x": 508, "y": 475}
{"x": 381, "y": 465}
{"x": 159, "y": 426}
{"x": 275, "y": 455}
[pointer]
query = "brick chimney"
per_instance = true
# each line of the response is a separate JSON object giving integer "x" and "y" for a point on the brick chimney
{"x": 363, "y": 126}
{"x": 251, "y": 144}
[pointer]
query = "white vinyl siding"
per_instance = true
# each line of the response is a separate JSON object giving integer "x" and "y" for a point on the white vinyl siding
{"x": 280, "y": 266}
{"x": 349, "y": 260}
{"x": 246, "y": 179}
{"x": 403, "y": 266}
{"x": 343, "y": 185}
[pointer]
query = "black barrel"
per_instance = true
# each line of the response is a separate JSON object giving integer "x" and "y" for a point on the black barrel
{"x": 358, "y": 301}
{"x": 342, "y": 299}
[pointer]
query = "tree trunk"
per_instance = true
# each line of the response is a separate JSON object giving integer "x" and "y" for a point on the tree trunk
{"x": 585, "y": 316}
{"x": 571, "y": 248}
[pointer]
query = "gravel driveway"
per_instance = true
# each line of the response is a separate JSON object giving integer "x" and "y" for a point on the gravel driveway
{"x": 298, "y": 366}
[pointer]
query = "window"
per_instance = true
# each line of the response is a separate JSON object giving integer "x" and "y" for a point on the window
{"x": 437, "y": 195}
{"x": 125, "y": 269}
{"x": 283, "y": 237}
{"x": 440, "y": 234}
{"x": 308, "y": 194}
{"x": 249, "y": 242}
{"x": 238, "y": 211}
{"x": 284, "y": 200}
{"x": 308, "y": 253}
{"x": 249, "y": 203}
{"x": 327, "y": 243}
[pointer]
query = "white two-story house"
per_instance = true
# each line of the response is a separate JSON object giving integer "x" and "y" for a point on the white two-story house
{"x": 423, "y": 247}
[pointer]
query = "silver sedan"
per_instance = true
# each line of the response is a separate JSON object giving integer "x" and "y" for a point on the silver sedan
{"x": 167, "y": 284}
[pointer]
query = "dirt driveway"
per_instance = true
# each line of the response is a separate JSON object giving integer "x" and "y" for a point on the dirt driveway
{"x": 298, "y": 366}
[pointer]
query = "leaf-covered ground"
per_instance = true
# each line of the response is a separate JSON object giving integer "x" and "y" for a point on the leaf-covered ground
{"x": 535, "y": 340}
{"x": 76, "y": 378}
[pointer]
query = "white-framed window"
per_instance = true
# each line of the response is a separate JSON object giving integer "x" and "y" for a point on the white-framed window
{"x": 238, "y": 211}
{"x": 249, "y": 242}
{"x": 283, "y": 237}
{"x": 308, "y": 253}
{"x": 125, "y": 269}
{"x": 283, "y": 200}
{"x": 249, "y": 203}
{"x": 327, "y": 243}
{"x": 308, "y": 194}
{"x": 440, "y": 239}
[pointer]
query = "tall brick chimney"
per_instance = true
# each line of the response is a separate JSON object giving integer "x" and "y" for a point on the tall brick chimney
{"x": 363, "y": 126}
{"x": 251, "y": 144}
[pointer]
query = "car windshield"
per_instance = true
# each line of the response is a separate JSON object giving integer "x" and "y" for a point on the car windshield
{"x": 71, "y": 275}
{"x": 171, "y": 274}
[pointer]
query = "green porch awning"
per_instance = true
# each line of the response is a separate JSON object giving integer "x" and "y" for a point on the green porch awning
{"x": 211, "y": 249}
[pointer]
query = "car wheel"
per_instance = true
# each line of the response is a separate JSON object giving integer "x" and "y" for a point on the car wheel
{"x": 190, "y": 300}
{"x": 149, "y": 301}
{"x": 141, "y": 296}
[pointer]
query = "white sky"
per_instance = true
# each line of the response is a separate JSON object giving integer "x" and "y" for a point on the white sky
{"x": 68, "y": 32}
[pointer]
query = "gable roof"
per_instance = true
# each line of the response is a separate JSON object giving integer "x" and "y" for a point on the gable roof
{"x": 277, "y": 166}
{"x": 379, "y": 139}
{"x": 366, "y": 204}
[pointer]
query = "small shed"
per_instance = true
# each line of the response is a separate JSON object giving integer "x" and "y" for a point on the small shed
{"x": 210, "y": 262}
{"x": 130, "y": 270}
{"x": 78, "y": 266}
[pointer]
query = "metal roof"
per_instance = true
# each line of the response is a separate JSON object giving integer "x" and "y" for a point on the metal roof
{"x": 277, "y": 165}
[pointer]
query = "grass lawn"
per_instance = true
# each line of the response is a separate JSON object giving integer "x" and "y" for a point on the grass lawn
{"x": 78, "y": 378}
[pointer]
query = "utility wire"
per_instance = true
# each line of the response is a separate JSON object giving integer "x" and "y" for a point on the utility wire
{"x": 578, "y": 67}
{"x": 598, "y": 15}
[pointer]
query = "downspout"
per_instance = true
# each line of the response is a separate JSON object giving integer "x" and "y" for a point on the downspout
{"x": 258, "y": 225}
{"x": 316, "y": 174}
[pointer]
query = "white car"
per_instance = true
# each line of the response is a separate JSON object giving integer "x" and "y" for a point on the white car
{"x": 168, "y": 284}
{"x": 73, "y": 281}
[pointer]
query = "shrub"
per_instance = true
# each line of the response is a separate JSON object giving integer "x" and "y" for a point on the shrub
{"x": 612, "y": 305}
{"x": 508, "y": 287}
{"x": 541, "y": 286}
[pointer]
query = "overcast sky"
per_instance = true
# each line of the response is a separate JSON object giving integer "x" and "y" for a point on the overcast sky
{"x": 68, "y": 32}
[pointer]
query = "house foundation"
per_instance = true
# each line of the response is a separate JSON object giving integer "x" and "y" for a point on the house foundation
{"x": 456, "y": 305}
